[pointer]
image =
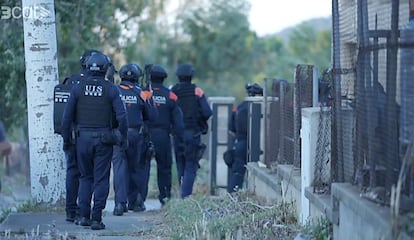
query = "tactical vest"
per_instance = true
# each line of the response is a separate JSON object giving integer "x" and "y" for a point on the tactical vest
{"x": 241, "y": 120}
{"x": 130, "y": 95}
{"x": 61, "y": 94}
{"x": 94, "y": 107}
{"x": 162, "y": 102}
{"x": 188, "y": 102}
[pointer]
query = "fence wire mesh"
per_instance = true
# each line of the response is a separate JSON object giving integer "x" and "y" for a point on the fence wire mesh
{"x": 371, "y": 102}
{"x": 364, "y": 136}
{"x": 322, "y": 174}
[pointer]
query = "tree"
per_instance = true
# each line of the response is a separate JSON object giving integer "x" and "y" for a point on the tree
{"x": 310, "y": 46}
{"x": 12, "y": 82}
{"x": 47, "y": 166}
{"x": 218, "y": 44}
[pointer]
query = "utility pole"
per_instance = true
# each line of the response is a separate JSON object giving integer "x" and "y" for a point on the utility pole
{"x": 47, "y": 165}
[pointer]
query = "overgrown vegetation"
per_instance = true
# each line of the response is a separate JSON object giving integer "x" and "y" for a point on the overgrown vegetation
{"x": 319, "y": 229}
{"x": 237, "y": 216}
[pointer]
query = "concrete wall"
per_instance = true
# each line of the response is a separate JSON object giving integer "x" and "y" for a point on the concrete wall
{"x": 352, "y": 216}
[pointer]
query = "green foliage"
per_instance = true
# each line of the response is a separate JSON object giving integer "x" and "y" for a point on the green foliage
{"x": 216, "y": 38}
{"x": 12, "y": 83}
{"x": 220, "y": 44}
{"x": 319, "y": 229}
{"x": 311, "y": 47}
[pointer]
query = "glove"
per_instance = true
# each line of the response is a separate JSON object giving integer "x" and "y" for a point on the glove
{"x": 124, "y": 143}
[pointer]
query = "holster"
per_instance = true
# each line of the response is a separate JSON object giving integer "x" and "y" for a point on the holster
{"x": 228, "y": 157}
{"x": 195, "y": 152}
{"x": 148, "y": 152}
{"x": 201, "y": 148}
{"x": 109, "y": 138}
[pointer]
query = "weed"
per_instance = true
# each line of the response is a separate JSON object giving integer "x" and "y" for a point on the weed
{"x": 231, "y": 216}
{"x": 319, "y": 229}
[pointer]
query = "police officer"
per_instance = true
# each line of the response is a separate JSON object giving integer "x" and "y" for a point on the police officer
{"x": 170, "y": 121}
{"x": 238, "y": 128}
{"x": 72, "y": 170}
{"x": 126, "y": 163}
{"x": 196, "y": 112}
{"x": 90, "y": 107}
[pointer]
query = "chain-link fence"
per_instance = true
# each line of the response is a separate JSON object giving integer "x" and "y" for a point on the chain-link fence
{"x": 284, "y": 115}
{"x": 372, "y": 84}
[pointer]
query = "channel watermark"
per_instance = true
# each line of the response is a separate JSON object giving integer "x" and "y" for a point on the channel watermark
{"x": 18, "y": 12}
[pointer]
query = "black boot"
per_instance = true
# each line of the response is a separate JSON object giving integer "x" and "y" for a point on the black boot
{"x": 84, "y": 221}
{"x": 119, "y": 209}
{"x": 97, "y": 225}
{"x": 139, "y": 205}
{"x": 70, "y": 216}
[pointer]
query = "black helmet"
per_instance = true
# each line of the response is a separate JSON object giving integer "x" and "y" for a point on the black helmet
{"x": 98, "y": 64}
{"x": 86, "y": 55}
{"x": 185, "y": 71}
{"x": 158, "y": 73}
{"x": 131, "y": 72}
{"x": 254, "y": 89}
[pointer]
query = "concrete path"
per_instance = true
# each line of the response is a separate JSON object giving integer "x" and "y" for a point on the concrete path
{"x": 39, "y": 226}
{"x": 131, "y": 225}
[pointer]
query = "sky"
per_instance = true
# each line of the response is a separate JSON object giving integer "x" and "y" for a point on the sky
{"x": 272, "y": 16}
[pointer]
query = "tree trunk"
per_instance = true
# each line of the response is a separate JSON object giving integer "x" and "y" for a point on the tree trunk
{"x": 47, "y": 165}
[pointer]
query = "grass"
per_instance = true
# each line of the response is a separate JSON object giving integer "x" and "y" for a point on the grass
{"x": 237, "y": 216}
{"x": 240, "y": 215}
{"x": 319, "y": 229}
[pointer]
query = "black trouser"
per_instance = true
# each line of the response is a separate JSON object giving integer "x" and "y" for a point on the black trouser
{"x": 163, "y": 157}
{"x": 72, "y": 181}
{"x": 238, "y": 169}
{"x": 94, "y": 158}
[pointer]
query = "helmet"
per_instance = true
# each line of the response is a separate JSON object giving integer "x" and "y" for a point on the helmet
{"x": 185, "y": 71}
{"x": 254, "y": 89}
{"x": 86, "y": 55}
{"x": 130, "y": 71}
{"x": 98, "y": 63}
{"x": 157, "y": 72}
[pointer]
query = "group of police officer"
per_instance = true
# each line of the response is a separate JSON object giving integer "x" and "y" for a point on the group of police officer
{"x": 126, "y": 125}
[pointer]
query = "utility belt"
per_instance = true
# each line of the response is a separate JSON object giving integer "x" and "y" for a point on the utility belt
{"x": 105, "y": 137}
{"x": 138, "y": 130}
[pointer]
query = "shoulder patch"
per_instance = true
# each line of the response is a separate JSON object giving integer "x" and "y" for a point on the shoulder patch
{"x": 147, "y": 93}
{"x": 143, "y": 96}
{"x": 125, "y": 87}
{"x": 172, "y": 96}
{"x": 198, "y": 92}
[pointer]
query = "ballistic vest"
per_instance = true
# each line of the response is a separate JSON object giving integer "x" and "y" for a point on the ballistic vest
{"x": 188, "y": 102}
{"x": 61, "y": 93}
{"x": 162, "y": 98}
{"x": 134, "y": 105}
{"x": 241, "y": 120}
{"x": 94, "y": 107}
